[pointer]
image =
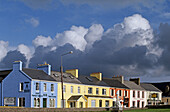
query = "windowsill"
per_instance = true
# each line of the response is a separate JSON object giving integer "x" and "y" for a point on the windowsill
{"x": 21, "y": 91}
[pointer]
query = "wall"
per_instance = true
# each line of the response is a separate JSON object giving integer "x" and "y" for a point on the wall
{"x": 11, "y": 86}
{"x": 43, "y": 94}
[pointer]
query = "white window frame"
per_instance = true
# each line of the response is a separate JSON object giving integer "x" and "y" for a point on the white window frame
{"x": 52, "y": 87}
{"x": 21, "y": 86}
{"x": 71, "y": 89}
{"x": 90, "y": 92}
{"x": 103, "y": 91}
{"x": 36, "y": 102}
{"x": 64, "y": 88}
{"x": 93, "y": 103}
{"x": 37, "y": 86}
{"x": 78, "y": 89}
{"x": 52, "y": 103}
{"x": 45, "y": 87}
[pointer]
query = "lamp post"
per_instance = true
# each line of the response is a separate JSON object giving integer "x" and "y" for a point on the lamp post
{"x": 61, "y": 69}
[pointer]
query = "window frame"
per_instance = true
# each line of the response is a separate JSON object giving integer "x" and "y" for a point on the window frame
{"x": 37, "y": 86}
{"x": 71, "y": 89}
{"x": 45, "y": 87}
{"x": 52, "y": 87}
{"x": 90, "y": 90}
{"x": 103, "y": 91}
{"x": 97, "y": 91}
{"x": 21, "y": 87}
{"x": 78, "y": 89}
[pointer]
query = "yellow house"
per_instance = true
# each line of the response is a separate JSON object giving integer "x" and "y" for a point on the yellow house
{"x": 83, "y": 91}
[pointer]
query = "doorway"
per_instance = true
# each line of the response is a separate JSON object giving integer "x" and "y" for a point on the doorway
{"x": 44, "y": 102}
{"x": 100, "y": 103}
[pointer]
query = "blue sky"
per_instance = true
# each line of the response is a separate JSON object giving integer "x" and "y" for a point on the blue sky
{"x": 30, "y": 28}
{"x": 55, "y": 17}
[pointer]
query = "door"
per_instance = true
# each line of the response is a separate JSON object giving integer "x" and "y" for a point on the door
{"x": 81, "y": 104}
{"x": 100, "y": 103}
{"x": 21, "y": 102}
{"x": 138, "y": 104}
{"x": 44, "y": 102}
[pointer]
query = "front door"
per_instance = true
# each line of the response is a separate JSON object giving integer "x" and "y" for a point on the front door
{"x": 81, "y": 104}
{"x": 44, "y": 102}
{"x": 138, "y": 104}
{"x": 100, "y": 103}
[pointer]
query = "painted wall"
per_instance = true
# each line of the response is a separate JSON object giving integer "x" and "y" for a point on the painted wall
{"x": 135, "y": 99}
{"x": 153, "y": 100}
{"x": 48, "y": 94}
{"x": 11, "y": 87}
{"x": 83, "y": 91}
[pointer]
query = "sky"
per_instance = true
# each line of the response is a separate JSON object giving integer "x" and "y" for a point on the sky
{"x": 115, "y": 37}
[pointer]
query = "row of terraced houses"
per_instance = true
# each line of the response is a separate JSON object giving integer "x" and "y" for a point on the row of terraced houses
{"x": 41, "y": 87}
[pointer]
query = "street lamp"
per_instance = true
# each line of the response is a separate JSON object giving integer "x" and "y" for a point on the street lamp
{"x": 61, "y": 69}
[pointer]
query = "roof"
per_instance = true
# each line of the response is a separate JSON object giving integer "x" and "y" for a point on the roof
{"x": 37, "y": 74}
{"x": 133, "y": 85}
{"x": 114, "y": 83}
{"x": 67, "y": 77}
{"x": 149, "y": 87}
{"x": 91, "y": 80}
{"x": 4, "y": 73}
{"x": 75, "y": 98}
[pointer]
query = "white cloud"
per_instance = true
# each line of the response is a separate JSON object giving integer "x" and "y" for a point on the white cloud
{"x": 74, "y": 36}
{"x": 33, "y": 21}
{"x": 134, "y": 30}
{"x": 3, "y": 49}
{"x": 23, "y": 49}
{"x": 42, "y": 41}
{"x": 94, "y": 33}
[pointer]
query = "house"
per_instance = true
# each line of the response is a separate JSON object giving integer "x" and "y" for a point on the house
{"x": 117, "y": 87}
{"x": 25, "y": 87}
{"x": 153, "y": 94}
{"x": 137, "y": 93}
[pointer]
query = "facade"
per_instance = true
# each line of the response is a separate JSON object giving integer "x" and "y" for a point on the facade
{"x": 137, "y": 94}
{"x": 153, "y": 94}
{"x": 28, "y": 88}
{"x": 41, "y": 87}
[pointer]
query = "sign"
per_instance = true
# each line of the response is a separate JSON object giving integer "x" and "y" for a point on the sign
{"x": 9, "y": 100}
{"x": 154, "y": 95}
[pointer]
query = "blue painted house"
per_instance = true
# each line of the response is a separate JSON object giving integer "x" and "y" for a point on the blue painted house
{"x": 25, "y": 87}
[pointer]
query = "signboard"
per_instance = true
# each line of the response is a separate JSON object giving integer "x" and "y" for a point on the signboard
{"x": 154, "y": 95}
{"x": 9, "y": 100}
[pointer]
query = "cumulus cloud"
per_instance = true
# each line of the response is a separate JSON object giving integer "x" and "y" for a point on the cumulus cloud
{"x": 129, "y": 48}
{"x": 3, "y": 49}
{"x": 33, "y": 21}
{"x": 23, "y": 49}
{"x": 42, "y": 41}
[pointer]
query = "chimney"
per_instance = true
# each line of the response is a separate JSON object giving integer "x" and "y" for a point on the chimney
{"x": 73, "y": 72}
{"x": 136, "y": 80}
{"x": 17, "y": 65}
{"x": 45, "y": 67}
{"x": 97, "y": 75}
{"x": 119, "y": 78}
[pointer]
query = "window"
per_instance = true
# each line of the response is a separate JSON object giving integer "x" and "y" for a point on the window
{"x": 21, "y": 102}
{"x": 21, "y": 87}
{"x": 107, "y": 103}
{"x": 78, "y": 89}
{"x": 120, "y": 92}
{"x": 64, "y": 88}
{"x": 52, "y": 87}
{"x": 45, "y": 87}
{"x": 134, "y": 94}
{"x": 37, "y": 86}
{"x": 111, "y": 92}
{"x": 126, "y": 93}
{"x": 90, "y": 90}
{"x": 97, "y": 90}
{"x": 104, "y": 91}
{"x": 52, "y": 102}
{"x": 138, "y": 94}
{"x": 143, "y": 94}
{"x": 100, "y": 103}
{"x": 36, "y": 102}
{"x": 71, "y": 89}
{"x": 93, "y": 103}
{"x": 134, "y": 104}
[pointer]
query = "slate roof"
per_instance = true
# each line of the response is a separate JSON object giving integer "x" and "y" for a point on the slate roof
{"x": 97, "y": 96}
{"x": 67, "y": 77}
{"x": 74, "y": 98}
{"x": 149, "y": 87}
{"x": 3, "y": 74}
{"x": 91, "y": 80}
{"x": 114, "y": 83}
{"x": 37, "y": 74}
{"x": 133, "y": 85}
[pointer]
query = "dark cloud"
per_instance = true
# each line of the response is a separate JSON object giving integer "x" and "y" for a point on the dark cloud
{"x": 11, "y": 57}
